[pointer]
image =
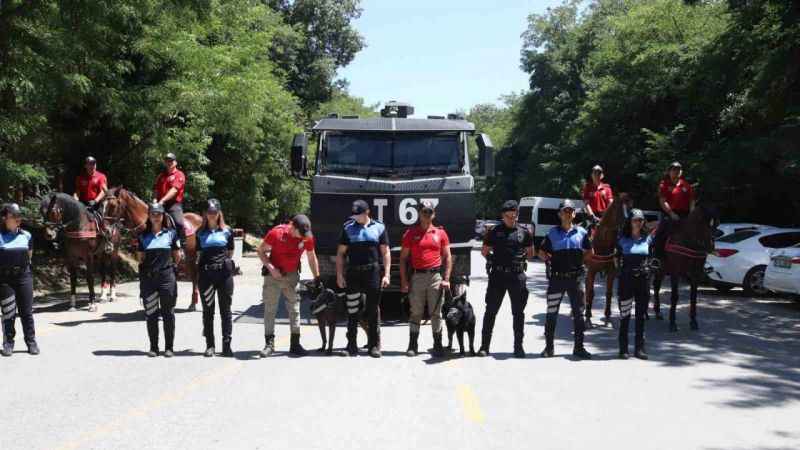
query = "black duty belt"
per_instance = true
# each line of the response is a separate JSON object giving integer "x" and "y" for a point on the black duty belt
{"x": 362, "y": 268}
{"x": 431, "y": 270}
{"x": 210, "y": 267}
{"x": 514, "y": 268}
{"x": 9, "y": 271}
{"x": 567, "y": 275}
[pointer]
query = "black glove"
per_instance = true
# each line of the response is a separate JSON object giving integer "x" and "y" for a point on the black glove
{"x": 318, "y": 282}
{"x": 91, "y": 204}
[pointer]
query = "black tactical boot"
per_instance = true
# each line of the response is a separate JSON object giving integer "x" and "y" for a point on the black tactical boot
{"x": 623, "y": 338}
{"x": 152, "y": 333}
{"x": 295, "y": 348}
{"x": 485, "y": 343}
{"x": 33, "y": 347}
{"x": 549, "y": 336}
{"x": 639, "y": 350}
{"x": 269, "y": 347}
{"x": 438, "y": 350}
{"x": 352, "y": 337}
{"x": 226, "y": 347}
{"x": 412, "y": 344}
{"x": 8, "y": 348}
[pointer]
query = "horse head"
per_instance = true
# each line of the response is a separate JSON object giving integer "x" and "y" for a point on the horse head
{"x": 52, "y": 215}
{"x": 124, "y": 205}
{"x": 701, "y": 224}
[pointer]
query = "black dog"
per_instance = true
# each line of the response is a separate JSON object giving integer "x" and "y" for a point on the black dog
{"x": 459, "y": 317}
{"x": 323, "y": 306}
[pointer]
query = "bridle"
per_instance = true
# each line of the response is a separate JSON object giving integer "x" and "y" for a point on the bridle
{"x": 124, "y": 204}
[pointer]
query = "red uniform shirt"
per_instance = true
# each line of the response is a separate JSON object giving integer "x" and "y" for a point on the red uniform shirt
{"x": 287, "y": 249}
{"x": 425, "y": 246}
{"x": 679, "y": 196}
{"x": 598, "y": 197}
{"x": 174, "y": 179}
{"x": 90, "y": 186}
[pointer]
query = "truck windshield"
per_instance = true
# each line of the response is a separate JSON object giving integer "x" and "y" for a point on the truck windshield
{"x": 384, "y": 153}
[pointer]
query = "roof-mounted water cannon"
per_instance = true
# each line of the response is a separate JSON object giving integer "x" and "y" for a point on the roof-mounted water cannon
{"x": 396, "y": 109}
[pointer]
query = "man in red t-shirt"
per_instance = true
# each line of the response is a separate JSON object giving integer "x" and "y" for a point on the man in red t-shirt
{"x": 676, "y": 198}
{"x": 429, "y": 249}
{"x": 90, "y": 185}
{"x": 597, "y": 195}
{"x": 280, "y": 253}
{"x": 168, "y": 190}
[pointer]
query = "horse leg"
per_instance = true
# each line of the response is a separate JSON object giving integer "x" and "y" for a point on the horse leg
{"x": 103, "y": 280}
{"x": 90, "y": 282}
{"x": 73, "y": 286}
{"x": 590, "y": 274}
{"x": 657, "y": 279}
{"x": 610, "y": 275}
{"x": 693, "y": 307}
{"x": 112, "y": 277}
{"x": 673, "y": 279}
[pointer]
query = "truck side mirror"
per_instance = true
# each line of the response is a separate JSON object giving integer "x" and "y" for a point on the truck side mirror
{"x": 485, "y": 155}
{"x": 299, "y": 162}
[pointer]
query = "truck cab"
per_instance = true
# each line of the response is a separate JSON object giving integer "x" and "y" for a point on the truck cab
{"x": 392, "y": 162}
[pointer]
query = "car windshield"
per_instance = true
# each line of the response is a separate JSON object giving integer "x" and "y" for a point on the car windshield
{"x": 738, "y": 236}
{"x": 386, "y": 153}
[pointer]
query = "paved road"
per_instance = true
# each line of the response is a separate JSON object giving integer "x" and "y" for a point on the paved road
{"x": 735, "y": 384}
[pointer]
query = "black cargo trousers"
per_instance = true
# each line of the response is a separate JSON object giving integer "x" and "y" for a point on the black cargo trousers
{"x": 633, "y": 293}
{"x": 158, "y": 290}
{"x": 16, "y": 297}
{"x": 363, "y": 293}
{"x": 501, "y": 281}
{"x": 216, "y": 282}
{"x": 572, "y": 285}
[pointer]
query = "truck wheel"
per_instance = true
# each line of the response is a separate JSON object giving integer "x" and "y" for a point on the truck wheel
{"x": 754, "y": 282}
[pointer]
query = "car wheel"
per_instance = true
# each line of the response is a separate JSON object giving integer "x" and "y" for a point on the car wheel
{"x": 754, "y": 282}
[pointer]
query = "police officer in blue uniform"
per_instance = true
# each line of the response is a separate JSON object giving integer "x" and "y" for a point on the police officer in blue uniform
{"x": 16, "y": 280}
{"x": 364, "y": 243}
{"x": 564, "y": 248}
{"x": 635, "y": 247}
{"x": 215, "y": 241}
{"x": 507, "y": 248}
{"x": 158, "y": 254}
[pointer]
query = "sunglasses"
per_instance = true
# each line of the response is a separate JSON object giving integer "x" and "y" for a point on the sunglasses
{"x": 427, "y": 212}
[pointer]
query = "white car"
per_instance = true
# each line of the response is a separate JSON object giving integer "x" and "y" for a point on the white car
{"x": 742, "y": 257}
{"x": 725, "y": 229}
{"x": 783, "y": 272}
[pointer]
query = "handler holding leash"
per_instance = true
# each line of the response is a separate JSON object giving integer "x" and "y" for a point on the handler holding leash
{"x": 16, "y": 280}
{"x": 215, "y": 241}
{"x": 511, "y": 245}
{"x": 159, "y": 253}
{"x": 564, "y": 247}
{"x": 280, "y": 253}
{"x": 429, "y": 249}
{"x": 365, "y": 243}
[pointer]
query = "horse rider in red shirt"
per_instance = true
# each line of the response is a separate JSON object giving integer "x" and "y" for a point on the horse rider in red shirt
{"x": 676, "y": 198}
{"x": 168, "y": 190}
{"x": 597, "y": 195}
{"x": 91, "y": 187}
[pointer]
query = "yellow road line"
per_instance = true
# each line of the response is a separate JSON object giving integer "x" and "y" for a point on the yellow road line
{"x": 470, "y": 404}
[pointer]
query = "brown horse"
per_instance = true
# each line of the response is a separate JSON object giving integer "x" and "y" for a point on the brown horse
{"x": 684, "y": 255}
{"x": 603, "y": 256}
{"x": 130, "y": 210}
{"x": 84, "y": 244}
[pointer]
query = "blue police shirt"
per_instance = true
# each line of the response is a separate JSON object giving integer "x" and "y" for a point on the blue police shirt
{"x": 214, "y": 245}
{"x": 634, "y": 251}
{"x": 567, "y": 247}
{"x": 363, "y": 242}
{"x": 158, "y": 248}
{"x": 14, "y": 248}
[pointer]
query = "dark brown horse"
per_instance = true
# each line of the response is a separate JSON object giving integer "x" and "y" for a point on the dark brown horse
{"x": 84, "y": 244}
{"x": 684, "y": 255}
{"x": 131, "y": 211}
{"x": 603, "y": 256}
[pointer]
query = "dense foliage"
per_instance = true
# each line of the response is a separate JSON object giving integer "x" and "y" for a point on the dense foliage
{"x": 635, "y": 84}
{"x": 223, "y": 84}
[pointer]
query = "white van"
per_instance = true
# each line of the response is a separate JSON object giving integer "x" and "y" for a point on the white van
{"x": 542, "y": 213}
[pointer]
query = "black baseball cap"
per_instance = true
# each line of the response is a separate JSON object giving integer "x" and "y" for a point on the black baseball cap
{"x": 302, "y": 224}
{"x": 510, "y": 205}
{"x": 12, "y": 209}
{"x": 91, "y": 160}
{"x": 170, "y": 156}
{"x": 597, "y": 168}
{"x": 567, "y": 204}
{"x": 359, "y": 207}
{"x": 156, "y": 208}
{"x": 213, "y": 205}
{"x": 676, "y": 165}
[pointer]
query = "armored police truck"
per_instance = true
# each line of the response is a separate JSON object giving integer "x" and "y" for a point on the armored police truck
{"x": 393, "y": 163}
